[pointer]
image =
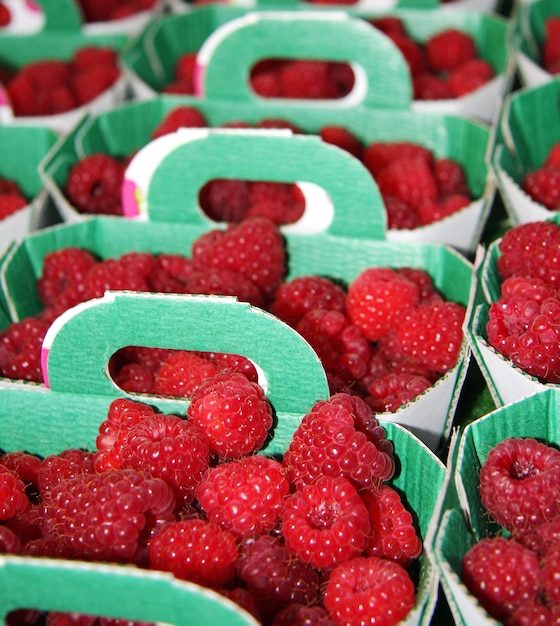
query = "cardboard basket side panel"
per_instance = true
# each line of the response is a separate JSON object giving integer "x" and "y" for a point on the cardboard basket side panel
{"x": 534, "y": 123}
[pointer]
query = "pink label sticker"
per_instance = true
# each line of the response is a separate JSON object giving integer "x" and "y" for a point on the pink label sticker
{"x": 198, "y": 78}
{"x": 44, "y": 363}
{"x": 129, "y": 199}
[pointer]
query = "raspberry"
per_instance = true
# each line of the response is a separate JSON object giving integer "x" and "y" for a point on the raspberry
{"x": 469, "y": 76}
{"x": 245, "y": 496}
{"x": 526, "y": 332}
{"x": 400, "y": 216}
{"x": 181, "y": 117}
{"x": 325, "y": 523}
{"x": 269, "y": 122}
{"x": 129, "y": 272}
{"x": 255, "y": 248}
{"x": 57, "y": 467}
{"x": 90, "y": 83}
{"x": 531, "y": 250}
{"x": 428, "y": 293}
{"x": 378, "y": 299}
{"x": 47, "y": 73}
{"x": 410, "y": 180}
{"x": 296, "y": 614}
{"x": 265, "y": 78}
{"x": 426, "y": 86}
{"x": 94, "y": 185}
{"x": 487, "y": 573}
{"x": 308, "y": 80}
{"x": 9, "y": 541}
{"x": 225, "y": 200}
{"x": 106, "y": 516}
{"x": 432, "y": 334}
{"x": 541, "y": 538}
{"x": 369, "y": 590}
{"x": 412, "y": 52}
{"x": 63, "y": 270}
{"x": 550, "y": 572}
{"x": 274, "y": 577}
{"x": 378, "y": 154}
{"x": 304, "y": 293}
{"x": 233, "y": 412}
{"x": 520, "y": 483}
{"x": 183, "y": 82}
{"x": 429, "y": 212}
{"x": 13, "y": 499}
{"x": 135, "y": 378}
{"x": 87, "y": 56}
{"x": 5, "y": 15}
{"x": 171, "y": 273}
{"x": 195, "y": 550}
{"x": 393, "y": 535}
{"x": 170, "y": 448}
{"x": 22, "y": 95}
{"x": 232, "y": 363}
{"x": 388, "y": 393}
{"x": 450, "y": 177}
{"x": 340, "y": 437}
{"x": 282, "y": 203}
{"x": 222, "y": 282}
{"x": 543, "y": 186}
{"x": 447, "y": 49}
{"x": 343, "y": 139}
{"x": 182, "y": 373}
{"x": 530, "y": 612}
{"x": 10, "y": 204}
{"x": 25, "y": 465}
{"x": 20, "y": 349}
{"x": 388, "y": 24}
{"x": 550, "y": 48}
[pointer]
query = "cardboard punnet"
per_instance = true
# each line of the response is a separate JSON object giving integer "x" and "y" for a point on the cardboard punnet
{"x": 344, "y": 235}
{"x": 313, "y": 34}
{"x": 128, "y": 127}
{"x": 529, "y": 24}
{"x": 48, "y": 420}
{"x": 26, "y": 147}
{"x": 530, "y": 127}
{"x": 465, "y": 519}
{"x": 17, "y": 51}
{"x": 507, "y": 382}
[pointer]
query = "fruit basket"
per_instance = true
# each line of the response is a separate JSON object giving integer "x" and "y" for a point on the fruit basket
{"x": 334, "y": 239}
{"x": 509, "y": 376}
{"x": 465, "y": 520}
{"x": 151, "y": 59}
{"x": 49, "y": 77}
{"x": 522, "y": 157}
{"x": 535, "y": 67}
{"x": 118, "y": 133}
{"x": 71, "y": 418}
{"x": 24, "y": 207}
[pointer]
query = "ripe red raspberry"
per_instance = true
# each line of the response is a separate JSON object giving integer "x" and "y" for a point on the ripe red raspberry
{"x": 388, "y": 393}
{"x": 245, "y": 496}
{"x": 274, "y": 577}
{"x": 57, "y": 467}
{"x": 400, "y": 216}
{"x": 180, "y": 117}
{"x": 281, "y": 203}
{"x": 380, "y": 154}
{"x": 89, "y": 83}
{"x": 255, "y": 248}
{"x": 220, "y": 282}
{"x": 427, "y": 86}
{"x": 25, "y": 465}
{"x": 318, "y": 515}
{"x": 526, "y": 332}
{"x": 107, "y": 516}
{"x": 134, "y": 378}
{"x": 412, "y": 52}
{"x": 543, "y": 185}
{"x": 550, "y": 53}
{"x": 304, "y": 293}
{"x": 541, "y": 538}
{"x": 20, "y": 349}
{"x": 428, "y": 293}
{"x": 170, "y": 273}
{"x": 393, "y": 535}
{"x": 469, "y": 76}
{"x": 195, "y": 550}
{"x": 9, "y": 542}
{"x": 356, "y": 441}
{"x": 265, "y": 78}
{"x": 309, "y": 80}
{"x": 5, "y": 15}
{"x": 89, "y": 55}
{"x": 272, "y": 122}
{"x": 450, "y": 177}
{"x": 343, "y": 139}
{"x": 233, "y": 412}
{"x": 531, "y": 612}
{"x": 182, "y": 373}
{"x": 369, "y": 590}
{"x": 13, "y": 499}
{"x": 129, "y": 272}
{"x": 487, "y": 573}
{"x": 94, "y": 185}
{"x": 388, "y": 24}
{"x": 410, "y": 180}
{"x": 10, "y": 204}
{"x": 296, "y": 614}
{"x": 429, "y": 211}
{"x": 378, "y": 299}
{"x": 449, "y": 48}
{"x": 63, "y": 270}
{"x": 553, "y": 158}
{"x": 170, "y": 448}
{"x": 432, "y": 334}
{"x": 531, "y": 250}
{"x": 520, "y": 483}
{"x": 225, "y": 200}
{"x": 550, "y": 572}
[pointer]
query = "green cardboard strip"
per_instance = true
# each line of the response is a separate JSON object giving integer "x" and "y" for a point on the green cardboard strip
{"x": 228, "y": 54}
{"x": 162, "y": 172}
{"x": 40, "y": 16}
{"x": 535, "y": 416}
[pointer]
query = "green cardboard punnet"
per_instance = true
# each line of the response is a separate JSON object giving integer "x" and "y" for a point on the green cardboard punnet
{"x": 536, "y": 417}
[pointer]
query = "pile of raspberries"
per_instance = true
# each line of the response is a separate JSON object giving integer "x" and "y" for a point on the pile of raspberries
{"x": 12, "y": 198}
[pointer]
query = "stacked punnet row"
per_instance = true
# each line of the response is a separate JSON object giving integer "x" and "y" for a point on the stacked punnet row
{"x": 278, "y": 282}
